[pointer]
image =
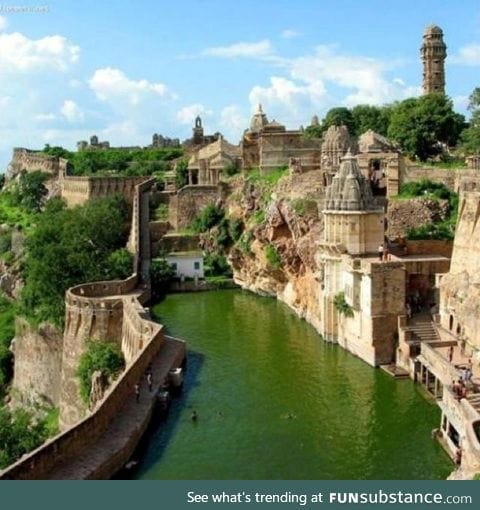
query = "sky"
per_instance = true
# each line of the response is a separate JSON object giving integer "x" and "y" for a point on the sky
{"x": 127, "y": 69}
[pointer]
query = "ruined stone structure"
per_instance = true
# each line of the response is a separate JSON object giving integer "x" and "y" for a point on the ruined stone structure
{"x": 93, "y": 145}
{"x": 380, "y": 162}
{"x": 206, "y": 165}
{"x": 269, "y": 145}
{"x": 30, "y": 161}
{"x": 473, "y": 162}
{"x": 433, "y": 53}
{"x": 199, "y": 138}
{"x": 161, "y": 142}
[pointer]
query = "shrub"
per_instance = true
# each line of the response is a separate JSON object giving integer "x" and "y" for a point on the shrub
{"x": 341, "y": 305}
{"x": 160, "y": 274}
{"x": 105, "y": 357}
{"x": 120, "y": 264}
{"x": 232, "y": 169}
{"x": 302, "y": 206}
{"x": 273, "y": 257}
{"x": 209, "y": 216}
{"x": 245, "y": 242}
{"x": 7, "y": 332}
{"x": 20, "y": 433}
{"x": 216, "y": 264}
{"x": 235, "y": 229}
{"x": 161, "y": 213}
{"x": 5, "y": 242}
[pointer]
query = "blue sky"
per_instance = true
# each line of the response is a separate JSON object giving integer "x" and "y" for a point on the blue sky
{"x": 126, "y": 69}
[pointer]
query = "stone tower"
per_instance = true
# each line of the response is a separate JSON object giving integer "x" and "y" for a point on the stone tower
{"x": 434, "y": 52}
{"x": 354, "y": 223}
{"x": 198, "y": 131}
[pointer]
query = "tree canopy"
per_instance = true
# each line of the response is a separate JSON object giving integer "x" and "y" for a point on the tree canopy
{"x": 69, "y": 247}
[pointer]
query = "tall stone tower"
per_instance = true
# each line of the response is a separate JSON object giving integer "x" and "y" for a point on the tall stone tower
{"x": 434, "y": 52}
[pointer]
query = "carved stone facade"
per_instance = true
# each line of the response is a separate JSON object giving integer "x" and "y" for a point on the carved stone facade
{"x": 434, "y": 53}
{"x": 335, "y": 144}
{"x": 269, "y": 145}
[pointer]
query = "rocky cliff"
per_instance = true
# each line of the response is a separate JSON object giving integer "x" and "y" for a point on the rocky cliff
{"x": 276, "y": 254}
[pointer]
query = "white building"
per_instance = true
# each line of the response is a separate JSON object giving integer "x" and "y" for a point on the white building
{"x": 187, "y": 264}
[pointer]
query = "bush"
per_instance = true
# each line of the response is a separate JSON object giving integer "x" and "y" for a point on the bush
{"x": 303, "y": 207}
{"x": 209, "y": 216}
{"x": 20, "y": 433}
{"x": 273, "y": 257}
{"x": 120, "y": 264}
{"x": 105, "y": 357}
{"x": 160, "y": 274}
{"x": 217, "y": 265}
{"x": 341, "y": 305}
{"x": 235, "y": 229}
{"x": 30, "y": 191}
{"x": 5, "y": 242}
{"x": 443, "y": 230}
{"x": 161, "y": 213}
{"x": 181, "y": 175}
{"x": 245, "y": 242}
{"x": 232, "y": 169}
{"x": 7, "y": 332}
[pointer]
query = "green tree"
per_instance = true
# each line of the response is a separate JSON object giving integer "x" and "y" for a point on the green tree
{"x": 105, "y": 357}
{"x": 160, "y": 274}
{"x": 69, "y": 247}
{"x": 209, "y": 216}
{"x": 470, "y": 137}
{"x": 367, "y": 117}
{"x": 181, "y": 175}
{"x": 31, "y": 190}
{"x": 339, "y": 116}
{"x": 422, "y": 124}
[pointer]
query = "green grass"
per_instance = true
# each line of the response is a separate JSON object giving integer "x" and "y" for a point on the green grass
{"x": 273, "y": 257}
{"x": 161, "y": 213}
{"x": 271, "y": 178}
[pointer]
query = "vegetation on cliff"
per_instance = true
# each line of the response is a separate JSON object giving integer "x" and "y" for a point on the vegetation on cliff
{"x": 341, "y": 305}
{"x": 21, "y": 432}
{"x": 104, "y": 357}
{"x": 69, "y": 247}
{"x": 30, "y": 191}
{"x": 7, "y": 332}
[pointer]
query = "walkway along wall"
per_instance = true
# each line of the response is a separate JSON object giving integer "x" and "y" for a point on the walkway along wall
{"x": 106, "y": 310}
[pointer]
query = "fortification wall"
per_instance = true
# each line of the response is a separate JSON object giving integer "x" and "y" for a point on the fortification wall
{"x": 34, "y": 347}
{"x": 25, "y": 159}
{"x": 76, "y": 439}
{"x": 451, "y": 177}
{"x": 76, "y": 190}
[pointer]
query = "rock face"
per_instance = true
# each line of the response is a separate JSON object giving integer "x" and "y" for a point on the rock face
{"x": 34, "y": 348}
{"x": 291, "y": 228}
{"x": 405, "y": 214}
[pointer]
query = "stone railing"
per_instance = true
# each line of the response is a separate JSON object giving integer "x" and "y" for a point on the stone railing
{"x": 440, "y": 366}
{"x": 37, "y": 464}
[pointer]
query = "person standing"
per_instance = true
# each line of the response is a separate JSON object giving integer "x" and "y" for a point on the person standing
{"x": 150, "y": 381}
{"x": 380, "y": 252}
{"x": 137, "y": 392}
{"x": 450, "y": 354}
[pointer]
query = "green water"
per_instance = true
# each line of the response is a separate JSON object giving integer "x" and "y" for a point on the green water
{"x": 252, "y": 364}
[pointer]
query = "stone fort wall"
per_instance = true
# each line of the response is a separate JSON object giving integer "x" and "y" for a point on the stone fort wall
{"x": 108, "y": 310}
{"x": 25, "y": 159}
{"x": 186, "y": 204}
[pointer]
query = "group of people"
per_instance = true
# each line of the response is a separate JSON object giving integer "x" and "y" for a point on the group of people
{"x": 383, "y": 253}
{"x": 460, "y": 386}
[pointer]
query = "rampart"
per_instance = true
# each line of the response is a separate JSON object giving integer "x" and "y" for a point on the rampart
{"x": 101, "y": 310}
{"x": 188, "y": 202}
{"x": 77, "y": 190}
{"x": 29, "y": 160}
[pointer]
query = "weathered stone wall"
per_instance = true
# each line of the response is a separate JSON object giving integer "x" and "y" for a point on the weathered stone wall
{"x": 404, "y": 214}
{"x": 451, "y": 177}
{"x": 25, "y": 159}
{"x": 76, "y": 439}
{"x": 34, "y": 348}
{"x": 430, "y": 247}
{"x": 78, "y": 190}
{"x": 189, "y": 201}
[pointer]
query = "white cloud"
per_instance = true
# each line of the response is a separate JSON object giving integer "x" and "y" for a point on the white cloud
{"x": 468, "y": 55}
{"x": 18, "y": 53}
{"x": 113, "y": 85}
{"x": 289, "y": 33}
{"x": 71, "y": 111}
{"x": 460, "y": 102}
{"x": 43, "y": 117}
{"x": 187, "y": 114}
{"x": 3, "y": 22}
{"x": 241, "y": 49}
{"x": 232, "y": 122}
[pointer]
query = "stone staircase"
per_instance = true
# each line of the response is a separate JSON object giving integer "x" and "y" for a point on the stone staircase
{"x": 422, "y": 328}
